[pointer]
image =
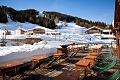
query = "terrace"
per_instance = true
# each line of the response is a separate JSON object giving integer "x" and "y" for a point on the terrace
{"x": 74, "y": 67}
{"x": 65, "y": 68}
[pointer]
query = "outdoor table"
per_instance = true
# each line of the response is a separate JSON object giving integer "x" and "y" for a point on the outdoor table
{"x": 58, "y": 55}
{"x": 37, "y": 59}
{"x": 68, "y": 75}
{"x": 10, "y": 66}
{"x": 93, "y": 54}
{"x": 91, "y": 58}
{"x": 82, "y": 64}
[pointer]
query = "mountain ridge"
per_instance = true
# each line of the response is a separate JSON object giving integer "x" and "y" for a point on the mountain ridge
{"x": 48, "y": 19}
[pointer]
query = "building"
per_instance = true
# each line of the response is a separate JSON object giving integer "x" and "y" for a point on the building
{"x": 100, "y": 33}
{"x": 19, "y": 31}
{"x": 94, "y": 30}
{"x": 8, "y": 32}
{"x": 107, "y": 34}
{"x": 35, "y": 31}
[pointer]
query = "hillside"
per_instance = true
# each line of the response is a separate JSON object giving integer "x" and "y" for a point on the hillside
{"x": 46, "y": 19}
{"x": 29, "y": 15}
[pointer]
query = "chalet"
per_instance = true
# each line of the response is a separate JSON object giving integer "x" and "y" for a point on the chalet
{"x": 19, "y": 31}
{"x": 35, "y": 31}
{"x": 94, "y": 30}
{"x": 100, "y": 33}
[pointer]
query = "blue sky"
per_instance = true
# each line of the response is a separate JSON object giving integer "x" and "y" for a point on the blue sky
{"x": 95, "y": 10}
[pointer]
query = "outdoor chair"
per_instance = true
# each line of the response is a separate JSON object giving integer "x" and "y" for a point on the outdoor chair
{"x": 72, "y": 53}
{"x": 103, "y": 61}
{"x": 38, "y": 64}
{"x": 54, "y": 60}
{"x": 115, "y": 76}
{"x": 102, "y": 69}
{"x": 105, "y": 67}
{"x": 49, "y": 61}
{"x": 70, "y": 56}
{"x": 20, "y": 72}
{"x": 101, "y": 57}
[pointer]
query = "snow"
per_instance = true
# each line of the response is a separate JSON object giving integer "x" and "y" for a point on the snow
{"x": 49, "y": 45}
{"x": 94, "y": 27}
{"x": 107, "y": 36}
{"x": 113, "y": 23}
{"x": 10, "y": 53}
{"x": 106, "y": 30}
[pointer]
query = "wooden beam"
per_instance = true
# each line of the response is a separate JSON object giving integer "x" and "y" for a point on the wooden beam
{"x": 115, "y": 29}
{"x": 117, "y": 12}
{"x": 118, "y": 23}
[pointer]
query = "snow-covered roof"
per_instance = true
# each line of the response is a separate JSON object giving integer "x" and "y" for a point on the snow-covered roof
{"x": 94, "y": 27}
{"x": 46, "y": 29}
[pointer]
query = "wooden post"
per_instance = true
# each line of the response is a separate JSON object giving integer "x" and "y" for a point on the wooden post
{"x": 118, "y": 43}
{"x": 116, "y": 28}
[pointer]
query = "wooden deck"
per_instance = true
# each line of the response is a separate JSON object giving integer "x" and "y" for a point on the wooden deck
{"x": 58, "y": 68}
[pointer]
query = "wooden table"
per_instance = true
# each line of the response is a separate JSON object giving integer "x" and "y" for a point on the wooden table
{"x": 65, "y": 76}
{"x": 37, "y": 59}
{"x": 10, "y": 66}
{"x": 91, "y": 58}
{"x": 82, "y": 64}
{"x": 58, "y": 55}
{"x": 93, "y": 54}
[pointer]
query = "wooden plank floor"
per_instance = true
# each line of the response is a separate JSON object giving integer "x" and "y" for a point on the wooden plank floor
{"x": 57, "y": 69}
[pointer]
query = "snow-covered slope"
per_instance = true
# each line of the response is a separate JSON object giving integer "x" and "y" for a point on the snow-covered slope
{"x": 71, "y": 32}
{"x": 12, "y": 25}
{"x": 72, "y": 28}
{"x": 68, "y": 34}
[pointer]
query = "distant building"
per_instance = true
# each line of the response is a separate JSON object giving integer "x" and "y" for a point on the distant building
{"x": 35, "y": 31}
{"x": 107, "y": 32}
{"x": 94, "y": 30}
{"x": 100, "y": 33}
{"x": 8, "y": 32}
{"x": 19, "y": 31}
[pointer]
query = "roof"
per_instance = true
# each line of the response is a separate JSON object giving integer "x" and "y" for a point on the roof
{"x": 94, "y": 27}
{"x": 36, "y": 28}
